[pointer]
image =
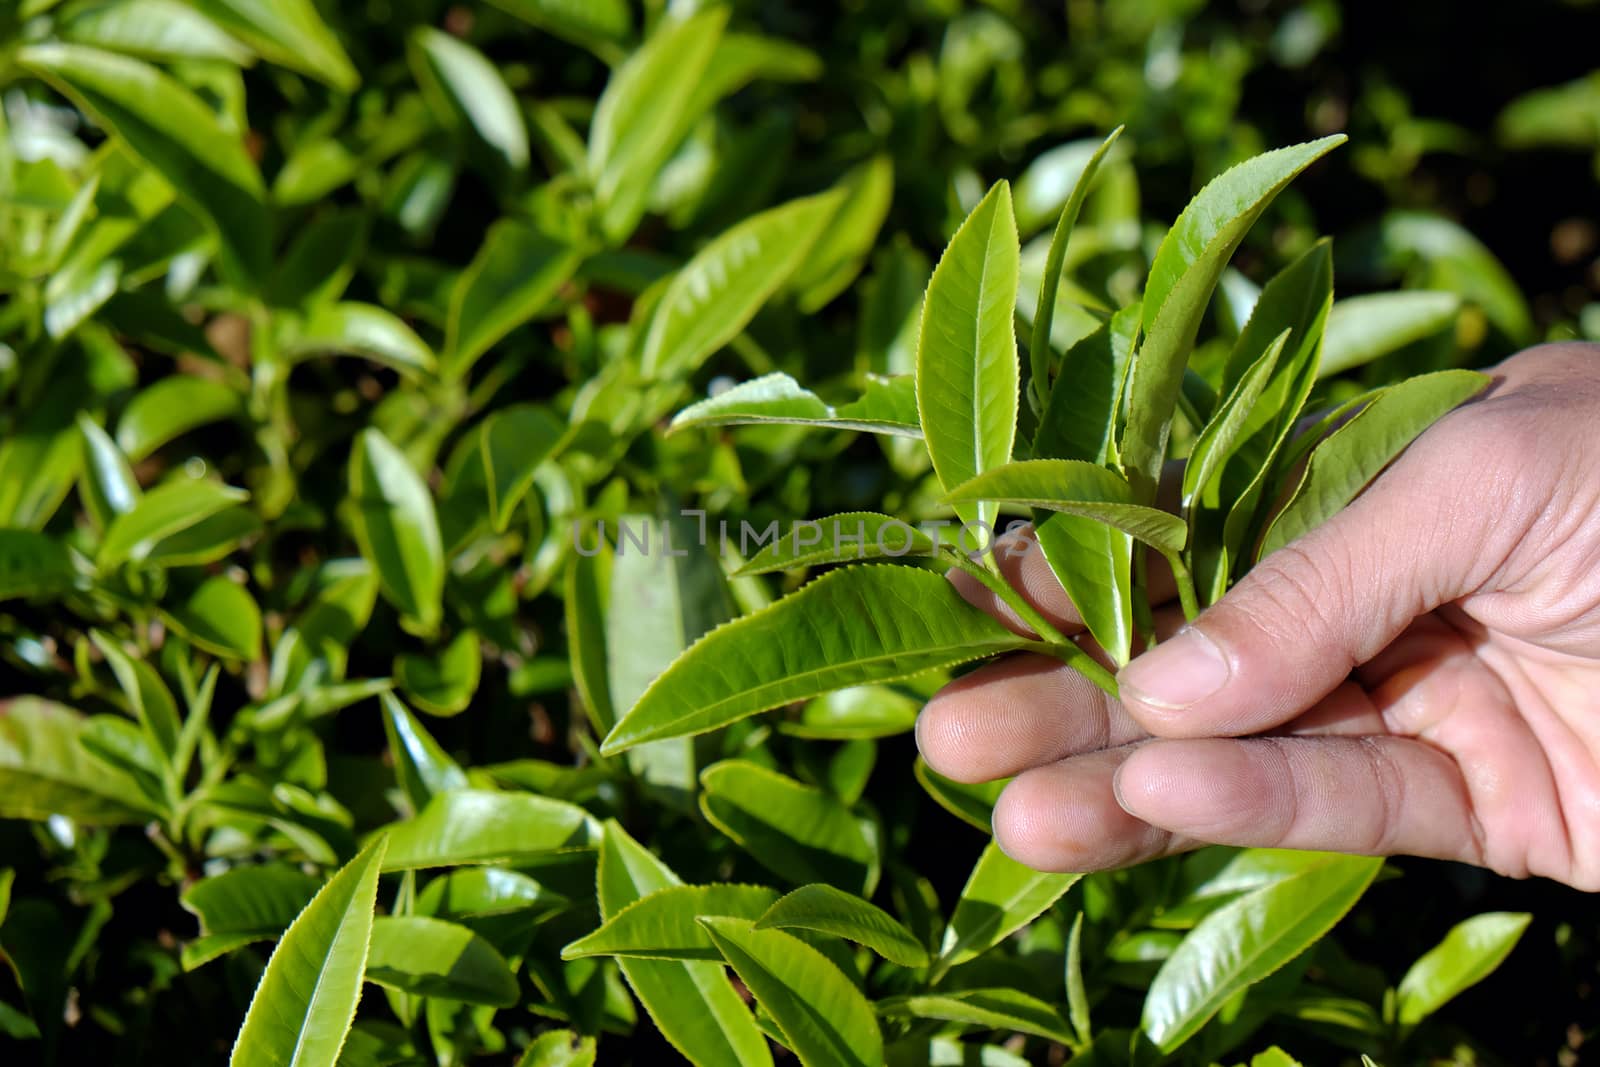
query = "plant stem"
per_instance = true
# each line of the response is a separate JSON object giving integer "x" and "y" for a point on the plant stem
{"x": 1055, "y": 642}
{"x": 1186, "y": 591}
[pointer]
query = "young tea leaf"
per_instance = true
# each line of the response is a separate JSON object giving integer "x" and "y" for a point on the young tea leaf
{"x": 434, "y": 958}
{"x": 1001, "y": 897}
{"x": 663, "y": 925}
{"x": 889, "y": 406}
{"x": 1074, "y": 487}
{"x": 832, "y": 911}
{"x": 1469, "y": 953}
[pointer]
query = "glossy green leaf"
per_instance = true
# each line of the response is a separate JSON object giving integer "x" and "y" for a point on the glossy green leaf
{"x": 831, "y": 911}
{"x": 850, "y": 537}
{"x": 168, "y": 126}
{"x": 822, "y": 1016}
{"x": 558, "y": 1048}
{"x": 662, "y": 924}
{"x": 106, "y": 482}
{"x": 719, "y": 291}
{"x": 514, "y": 277}
{"x": 1044, "y": 314}
{"x": 988, "y": 1009}
{"x": 1219, "y": 435}
{"x": 149, "y": 699}
{"x": 220, "y": 616}
{"x": 365, "y": 330}
{"x": 1186, "y": 270}
{"x": 861, "y": 712}
{"x": 243, "y": 905}
{"x": 1245, "y": 941}
{"x": 1343, "y": 464}
{"x": 159, "y": 30}
{"x": 798, "y": 831}
{"x": 289, "y": 33}
{"x": 1001, "y": 897}
{"x": 434, "y": 958}
{"x": 515, "y": 441}
{"x": 395, "y": 524}
{"x": 586, "y": 22}
{"x": 839, "y": 254}
{"x": 1469, "y": 953}
{"x": 480, "y": 826}
{"x": 641, "y": 115}
{"x": 442, "y": 683}
{"x": 33, "y": 565}
{"x": 692, "y": 1002}
{"x": 967, "y": 373}
{"x": 423, "y": 769}
{"x": 170, "y": 408}
{"x": 44, "y": 771}
{"x": 1362, "y": 328}
{"x": 1074, "y": 487}
{"x": 1077, "y": 992}
{"x": 168, "y": 510}
{"x": 307, "y": 997}
{"x": 469, "y": 86}
{"x": 888, "y": 406}
{"x": 587, "y": 594}
{"x": 1443, "y": 254}
{"x": 971, "y": 803}
{"x": 849, "y": 627}
{"x": 471, "y": 893}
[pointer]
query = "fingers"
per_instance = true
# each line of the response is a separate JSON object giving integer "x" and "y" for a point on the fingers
{"x": 1016, "y": 714}
{"x": 1065, "y": 817}
{"x": 1295, "y": 626}
{"x": 1371, "y": 795}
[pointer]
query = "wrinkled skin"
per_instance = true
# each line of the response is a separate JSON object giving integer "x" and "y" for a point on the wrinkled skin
{"x": 1420, "y": 675}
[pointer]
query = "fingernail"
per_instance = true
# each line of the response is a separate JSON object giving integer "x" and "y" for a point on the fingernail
{"x": 1182, "y": 671}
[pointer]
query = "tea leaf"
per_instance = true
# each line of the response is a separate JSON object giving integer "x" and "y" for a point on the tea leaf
{"x": 244, "y": 905}
{"x": 106, "y": 482}
{"x": 363, "y": 330}
{"x": 422, "y": 769}
{"x": 288, "y": 32}
{"x": 850, "y": 537}
{"x": 461, "y": 80}
{"x": 171, "y": 407}
{"x": 839, "y": 254}
{"x": 44, "y": 771}
{"x": 480, "y": 826}
{"x": 831, "y": 911}
{"x": 849, "y": 627}
{"x": 988, "y": 1009}
{"x": 972, "y": 804}
{"x": 1469, "y": 953}
{"x": 1001, "y": 897}
{"x": 1246, "y": 940}
{"x": 443, "y": 683}
{"x": 394, "y": 521}
{"x": 967, "y": 374}
{"x": 662, "y": 924}
{"x": 434, "y": 958}
{"x": 221, "y": 617}
{"x": 514, "y": 276}
{"x": 33, "y": 565}
{"x": 1076, "y": 488}
{"x": 824, "y": 1019}
{"x": 307, "y": 997}
{"x": 168, "y": 510}
{"x": 1362, "y": 328}
{"x": 515, "y": 441}
{"x": 888, "y": 406}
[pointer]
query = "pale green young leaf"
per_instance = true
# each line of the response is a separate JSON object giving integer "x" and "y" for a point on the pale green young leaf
{"x": 434, "y": 958}
{"x": 987, "y": 1009}
{"x": 1245, "y": 941}
{"x": 967, "y": 372}
{"x": 587, "y": 594}
{"x": 888, "y": 406}
{"x": 465, "y": 84}
{"x": 1343, "y": 464}
{"x": 515, "y": 440}
{"x": 161, "y": 515}
{"x": 716, "y": 1030}
{"x": 861, "y": 712}
{"x": 1186, "y": 269}
{"x": 243, "y": 905}
{"x": 165, "y": 124}
{"x": 832, "y": 911}
{"x": 1077, "y": 992}
{"x": 147, "y": 695}
{"x": 1039, "y": 351}
{"x": 105, "y": 482}
{"x": 514, "y": 277}
{"x": 289, "y": 33}
{"x": 971, "y": 803}
{"x": 442, "y": 682}
{"x": 1362, "y": 328}
{"x": 463, "y": 826}
{"x": 171, "y": 407}
{"x": 557, "y": 1048}
{"x": 641, "y": 115}
{"x": 422, "y": 768}
{"x": 1001, "y": 897}
{"x": 221, "y": 617}
{"x": 157, "y": 30}
{"x": 824, "y": 1019}
{"x": 662, "y": 925}
{"x": 1295, "y": 299}
{"x": 839, "y": 254}
{"x": 849, "y": 627}
{"x": 1469, "y": 953}
{"x": 595, "y": 24}
{"x": 395, "y": 524}
{"x": 45, "y": 771}
{"x": 800, "y": 832}
{"x": 366, "y": 330}
{"x": 1211, "y": 450}
{"x": 850, "y": 537}
{"x": 719, "y": 291}
{"x": 1074, "y": 487}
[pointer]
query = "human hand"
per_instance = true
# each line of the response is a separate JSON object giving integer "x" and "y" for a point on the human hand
{"x": 1419, "y": 675}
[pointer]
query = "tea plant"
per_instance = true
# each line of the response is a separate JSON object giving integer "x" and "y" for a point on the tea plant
{"x": 351, "y": 358}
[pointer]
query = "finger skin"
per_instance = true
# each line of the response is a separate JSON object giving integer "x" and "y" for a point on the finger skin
{"x": 1016, "y": 714}
{"x": 1372, "y": 795}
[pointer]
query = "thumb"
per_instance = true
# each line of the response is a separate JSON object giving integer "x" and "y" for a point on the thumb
{"x": 1292, "y": 630}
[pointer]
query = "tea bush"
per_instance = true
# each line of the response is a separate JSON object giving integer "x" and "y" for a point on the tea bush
{"x": 413, "y": 634}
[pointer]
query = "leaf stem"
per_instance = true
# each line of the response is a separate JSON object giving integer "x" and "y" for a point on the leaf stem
{"x": 1054, "y": 642}
{"x": 1186, "y": 590}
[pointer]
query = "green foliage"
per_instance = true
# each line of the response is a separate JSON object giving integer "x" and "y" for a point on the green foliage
{"x": 410, "y": 424}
